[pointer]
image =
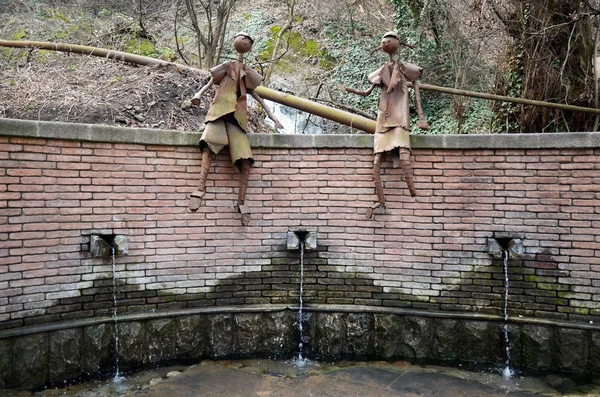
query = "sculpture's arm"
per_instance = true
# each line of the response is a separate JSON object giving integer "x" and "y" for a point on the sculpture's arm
{"x": 196, "y": 97}
{"x": 269, "y": 113}
{"x": 357, "y": 92}
{"x": 422, "y": 123}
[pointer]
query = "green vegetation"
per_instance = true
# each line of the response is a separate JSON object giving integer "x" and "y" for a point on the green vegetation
{"x": 446, "y": 56}
{"x": 52, "y": 13}
{"x": 141, "y": 47}
{"x": 19, "y": 34}
{"x": 333, "y": 43}
{"x": 300, "y": 50}
{"x": 354, "y": 64}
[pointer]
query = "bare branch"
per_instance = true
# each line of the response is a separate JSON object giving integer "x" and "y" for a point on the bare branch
{"x": 283, "y": 31}
{"x": 177, "y": 37}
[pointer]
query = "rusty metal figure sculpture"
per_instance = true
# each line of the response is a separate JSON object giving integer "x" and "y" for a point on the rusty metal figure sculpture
{"x": 227, "y": 120}
{"x": 393, "y": 118}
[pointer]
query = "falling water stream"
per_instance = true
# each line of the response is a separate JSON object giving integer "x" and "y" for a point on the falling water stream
{"x": 300, "y": 360}
{"x": 507, "y": 372}
{"x": 117, "y": 377}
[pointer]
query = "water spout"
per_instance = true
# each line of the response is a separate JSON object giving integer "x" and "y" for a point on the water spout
{"x": 105, "y": 245}
{"x": 515, "y": 248}
{"x": 295, "y": 237}
{"x": 506, "y": 247}
{"x": 117, "y": 377}
{"x": 301, "y": 240}
{"x": 300, "y": 360}
{"x": 502, "y": 243}
{"x": 507, "y": 373}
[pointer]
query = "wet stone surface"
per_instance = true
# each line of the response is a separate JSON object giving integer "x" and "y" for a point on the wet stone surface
{"x": 191, "y": 338}
{"x": 98, "y": 349}
{"x": 161, "y": 338}
{"x": 537, "y": 341}
{"x": 416, "y": 334}
{"x": 65, "y": 355}
{"x": 5, "y": 363}
{"x": 387, "y": 338}
{"x": 572, "y": 350}
{"x": 474, "y": 343}
{"x": 248, "y": 333}
{"x": 280, "y": 333}
{"x": 220, "y": 335}
{"x": 55, "y": 356}
{"x": 359, "y": 329}
{"x": 594, "y": 353}
{"x": 287, "y": 378}
{"x": 132, "y": 344}
{"x": 328, "y": 338}
{"x": 515, "y": 342}
{"x": 32, "y": 366}
{"x": 445, "y": 338}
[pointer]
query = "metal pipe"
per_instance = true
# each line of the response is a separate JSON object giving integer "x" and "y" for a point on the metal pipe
{"x": 340, "y": 116}
{"x": 330, "y": 113}
{"x": 500, "y": 98}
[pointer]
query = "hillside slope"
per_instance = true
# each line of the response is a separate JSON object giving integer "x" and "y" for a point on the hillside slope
{"x": 330, "y": 43}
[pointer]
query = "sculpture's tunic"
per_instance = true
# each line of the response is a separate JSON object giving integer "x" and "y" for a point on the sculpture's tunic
{"x": 393, "y": 116}
{"x": 227, "y": 117}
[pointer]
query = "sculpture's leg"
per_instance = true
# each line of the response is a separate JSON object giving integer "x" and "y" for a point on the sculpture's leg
{"x": 197, "y": 195}
{"x": 378, "y": 188}
{"x": 407, "y": 170}
{"x": 245, "y": 171}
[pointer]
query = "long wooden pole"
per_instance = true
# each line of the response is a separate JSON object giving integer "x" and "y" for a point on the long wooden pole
{"x": 349, "y": 119}
{"x": 500, "y": 98}
{"x": 99, "y": 52}
{"x": 286, "y": 99}
{"x": 340, "y": 116}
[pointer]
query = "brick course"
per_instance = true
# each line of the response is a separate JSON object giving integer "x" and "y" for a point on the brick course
{"x": 428, "y": 252}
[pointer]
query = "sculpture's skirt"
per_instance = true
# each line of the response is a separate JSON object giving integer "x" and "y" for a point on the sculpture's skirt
{"x": 391, "y": 139}
{"x": 221, "y": 133}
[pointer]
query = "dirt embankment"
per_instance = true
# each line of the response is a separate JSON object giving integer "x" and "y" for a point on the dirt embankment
{"x": 87, "y": 89}
{"x": 42, "y": 85}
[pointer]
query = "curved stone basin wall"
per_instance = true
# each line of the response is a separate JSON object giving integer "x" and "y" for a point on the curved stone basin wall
{"x": 32, "y": 357}
{"x": 61, "y": 183}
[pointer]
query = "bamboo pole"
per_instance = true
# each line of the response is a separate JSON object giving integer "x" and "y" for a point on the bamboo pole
{"x": 500, "y": 98}
{"x": 328, "y": 112}
{"x": 99, "y": 52}
{"x": 340, "y": 116}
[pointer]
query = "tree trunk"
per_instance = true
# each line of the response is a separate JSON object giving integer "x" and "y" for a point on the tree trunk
{"x": 286, "y": 28}
{"x": 222, "y": 38}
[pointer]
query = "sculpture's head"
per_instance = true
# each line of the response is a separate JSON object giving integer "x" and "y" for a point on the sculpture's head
{"x": 390, "y": 42}
{"x": 242, "y": 42}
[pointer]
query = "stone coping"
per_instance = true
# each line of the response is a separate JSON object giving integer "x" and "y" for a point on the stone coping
{"x": 34, "y": 329}
{"x": 144, "y": 136}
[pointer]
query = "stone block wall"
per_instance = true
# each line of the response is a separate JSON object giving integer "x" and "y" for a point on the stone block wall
{"x": 425, "y": 253}
{"x": 83, "y": 348}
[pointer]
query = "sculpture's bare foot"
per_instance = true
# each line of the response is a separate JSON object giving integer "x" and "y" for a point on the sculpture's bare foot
{"x": 196, "y": 200}
{"x": 371, "y": 210}
{"x": 245, "y": 211}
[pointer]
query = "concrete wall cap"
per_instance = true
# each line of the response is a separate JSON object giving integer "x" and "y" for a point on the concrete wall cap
{"x": 146, "y": 136}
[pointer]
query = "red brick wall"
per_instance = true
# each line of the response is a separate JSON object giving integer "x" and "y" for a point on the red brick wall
{"x": 425, "y": 253}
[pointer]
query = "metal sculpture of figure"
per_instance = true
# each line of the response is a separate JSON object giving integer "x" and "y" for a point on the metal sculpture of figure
{"x": 393, "y": 117}
{"x": 227, "y": 120}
